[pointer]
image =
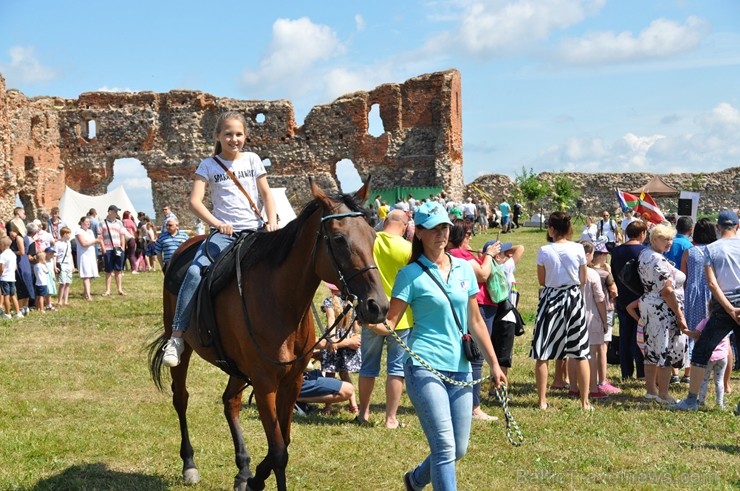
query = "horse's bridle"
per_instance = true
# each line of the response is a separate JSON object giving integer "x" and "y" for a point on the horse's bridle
{"x": 322, "y": 233}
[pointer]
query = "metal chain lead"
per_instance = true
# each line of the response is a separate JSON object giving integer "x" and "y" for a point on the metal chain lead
{"x": 513, "y": 432}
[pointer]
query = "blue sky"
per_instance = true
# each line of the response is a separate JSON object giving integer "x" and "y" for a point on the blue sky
{"x": 584, "y": 85}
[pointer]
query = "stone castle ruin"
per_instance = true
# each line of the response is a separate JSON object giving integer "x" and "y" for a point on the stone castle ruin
{"x": 49, "y": 142}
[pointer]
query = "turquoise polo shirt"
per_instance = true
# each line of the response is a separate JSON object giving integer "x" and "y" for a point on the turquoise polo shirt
{"x": 435, "y": 336}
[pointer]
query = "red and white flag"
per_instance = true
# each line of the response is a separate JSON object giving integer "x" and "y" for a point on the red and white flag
{"x": 648, "y": 208}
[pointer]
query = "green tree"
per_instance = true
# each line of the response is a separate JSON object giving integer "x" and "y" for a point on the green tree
{"x": 564, "y": 192}
{"x": 532, "y": 188}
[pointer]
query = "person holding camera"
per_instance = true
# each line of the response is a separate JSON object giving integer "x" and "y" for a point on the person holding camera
{"x": 441, "y": 291}
{"x": 114, "y": 235}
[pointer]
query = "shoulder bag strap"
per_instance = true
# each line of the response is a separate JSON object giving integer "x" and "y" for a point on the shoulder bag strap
{"x": 239, "y": 185}
{"x": 110, "y": 235}
{"x": 454, "y": 314}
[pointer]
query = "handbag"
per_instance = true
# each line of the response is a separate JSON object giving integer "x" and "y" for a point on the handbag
{"x": 497, "y": 284}
{"x": 629, "y": 275}
{"x": 470, "y": 349}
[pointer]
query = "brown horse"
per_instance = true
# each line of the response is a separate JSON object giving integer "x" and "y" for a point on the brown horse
{"x": 267, "y": 330}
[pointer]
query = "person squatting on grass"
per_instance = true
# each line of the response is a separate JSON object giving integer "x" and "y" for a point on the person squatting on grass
{"x": 444, "y": 409}
{"x": 722, "y": 268}
{"x": 560, "y": 328}
{"x": 231, "y": 213}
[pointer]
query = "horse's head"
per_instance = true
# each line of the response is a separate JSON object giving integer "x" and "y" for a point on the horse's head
{"x": 344, "y": 253}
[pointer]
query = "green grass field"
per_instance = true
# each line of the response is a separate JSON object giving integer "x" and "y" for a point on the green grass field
{"x": 78, "y": 411}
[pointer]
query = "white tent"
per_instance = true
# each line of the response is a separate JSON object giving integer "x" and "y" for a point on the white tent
{"x": 74, "y": 205}
{"x": 282, "y": 205}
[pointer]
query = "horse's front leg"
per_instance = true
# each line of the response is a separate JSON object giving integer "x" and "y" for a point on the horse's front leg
{"x": 232, "y": 399}
{"x": 285, "y": 402}
{"x": 277, "y": 456}
{"x": 180, "y": 396}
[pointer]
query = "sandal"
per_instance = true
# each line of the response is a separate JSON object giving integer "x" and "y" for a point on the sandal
{"x": 122, "y": 293}
{"x": 353, "y": 409}
{"x": 105, "y": 294}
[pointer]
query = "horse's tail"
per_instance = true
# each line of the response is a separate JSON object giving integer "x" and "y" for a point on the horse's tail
{"x": 156, "y": 353}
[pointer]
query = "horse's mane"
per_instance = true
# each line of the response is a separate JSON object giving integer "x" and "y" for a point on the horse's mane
{"x": 273, "y": 247}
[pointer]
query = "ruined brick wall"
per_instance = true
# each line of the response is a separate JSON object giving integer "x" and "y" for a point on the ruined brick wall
{"x": 719, "y": 190}
{"x": 47, "y": 142}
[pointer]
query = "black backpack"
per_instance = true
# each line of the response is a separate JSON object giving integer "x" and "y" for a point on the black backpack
{"x": 629, "y": 275}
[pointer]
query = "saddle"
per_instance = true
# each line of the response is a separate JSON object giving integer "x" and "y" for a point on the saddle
{"x": 214, "y": 279}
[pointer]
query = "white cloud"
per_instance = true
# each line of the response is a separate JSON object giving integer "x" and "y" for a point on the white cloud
{"x": 359, "y": 23}
{"x": 114, "y": 89}
{"x": 712, "y": 145}
{"x": 662, "y": 38}
{"x": 495, "y": 27}
{"x": 24, "y": 68}
{"x": 297, "y": 46}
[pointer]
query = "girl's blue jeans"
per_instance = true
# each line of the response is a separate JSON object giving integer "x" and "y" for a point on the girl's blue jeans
{"x": 445, "y": 413}
{"x": 186, "y": 296}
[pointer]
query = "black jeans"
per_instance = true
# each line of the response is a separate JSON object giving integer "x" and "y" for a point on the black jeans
{"x": 630, "y": 356}
{"x": 719, "y": 325}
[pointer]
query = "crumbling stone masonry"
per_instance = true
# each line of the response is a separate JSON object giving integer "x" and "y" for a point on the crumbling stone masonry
{"x": 49, "y": 142}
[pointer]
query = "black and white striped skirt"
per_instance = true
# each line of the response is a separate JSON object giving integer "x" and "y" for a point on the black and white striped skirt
{"x": 560, "y": 330}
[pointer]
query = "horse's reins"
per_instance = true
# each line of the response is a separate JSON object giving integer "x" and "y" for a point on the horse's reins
{"x": 345, "y": 290}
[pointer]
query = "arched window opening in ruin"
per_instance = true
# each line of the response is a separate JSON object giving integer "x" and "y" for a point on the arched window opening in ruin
{"x": 266, "y": 162}
{"x": 260, "y": 118}
{"x": 130, "y": 174}
{"x": 29, "y": 163}
{"x": 375, "y": 125}
{"x": 91, "y": 129}
{"x": 348, "y": 177}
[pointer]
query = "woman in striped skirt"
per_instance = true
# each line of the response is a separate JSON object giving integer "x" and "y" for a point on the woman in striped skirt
{"x": 560, "y": 331}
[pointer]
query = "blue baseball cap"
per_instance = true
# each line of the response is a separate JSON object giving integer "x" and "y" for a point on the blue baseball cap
{"x": 431, "y": 214}
{"x": 727, "y": 218}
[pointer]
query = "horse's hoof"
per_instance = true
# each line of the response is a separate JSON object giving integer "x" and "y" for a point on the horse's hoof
{"x": 191, "y": 476}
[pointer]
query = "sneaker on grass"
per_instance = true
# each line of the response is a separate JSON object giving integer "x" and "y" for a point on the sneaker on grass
{"x": 685, "y": 405}
{"x": 172, "y": 351}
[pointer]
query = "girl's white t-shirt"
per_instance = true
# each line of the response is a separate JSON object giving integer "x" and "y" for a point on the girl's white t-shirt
{"x": 562, "y": 262}
{"x": 229, "y": 203}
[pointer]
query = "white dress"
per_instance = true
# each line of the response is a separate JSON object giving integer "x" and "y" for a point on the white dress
{"x": 87, "y": 260}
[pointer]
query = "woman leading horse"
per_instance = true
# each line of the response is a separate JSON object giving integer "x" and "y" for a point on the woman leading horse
{"x": 268, "y": 338}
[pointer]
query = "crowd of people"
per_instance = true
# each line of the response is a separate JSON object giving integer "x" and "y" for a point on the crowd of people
{"x": 40, "y": 256}
{"x": 447, "y": 315}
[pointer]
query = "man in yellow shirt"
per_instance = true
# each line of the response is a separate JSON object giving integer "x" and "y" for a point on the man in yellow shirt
{"x": 383, "y": 210}
{"x": 391, "y": 253}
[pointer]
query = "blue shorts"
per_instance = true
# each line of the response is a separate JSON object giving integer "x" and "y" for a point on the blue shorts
{"x": 7, "y": 288}
{"x": 41, "y": 290}
{"x": 112, "y": 262}
{"x": 314, "y": 385}
{"x": 372, "y": 350}
{"x": 505, "y": 220}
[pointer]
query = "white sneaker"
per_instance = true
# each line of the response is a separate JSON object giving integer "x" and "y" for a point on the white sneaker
{"x": 18, "y": 315}
{"x": 172, "y": 351}
{"x": 6, "y": 316}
